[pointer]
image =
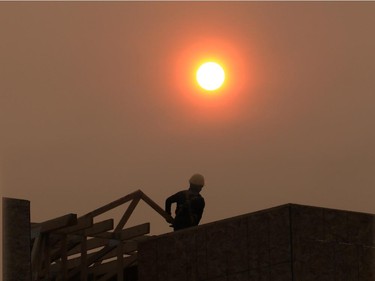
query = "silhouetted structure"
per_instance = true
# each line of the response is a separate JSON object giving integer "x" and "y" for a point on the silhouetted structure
{"x": 286, "y": 243}
{"x": 16, "y": 240}
{"x": 71, "y": 248}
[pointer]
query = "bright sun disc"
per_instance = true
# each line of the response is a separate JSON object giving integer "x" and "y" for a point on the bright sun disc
{"x": 210, "y": 76}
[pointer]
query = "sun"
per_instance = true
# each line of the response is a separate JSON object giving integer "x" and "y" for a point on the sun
{"x": 210, "y": 76}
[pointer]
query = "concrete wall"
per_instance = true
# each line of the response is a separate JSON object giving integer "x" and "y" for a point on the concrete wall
{"x": 289, "y": 242}
{"x": 16, "y": 240}
{"x": 332, "y": 245}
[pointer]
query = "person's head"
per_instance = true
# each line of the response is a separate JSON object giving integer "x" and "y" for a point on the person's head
{"x": 196, "y": 182}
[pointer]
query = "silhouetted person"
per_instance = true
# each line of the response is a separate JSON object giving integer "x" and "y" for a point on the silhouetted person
{"x": 190, "y": 204}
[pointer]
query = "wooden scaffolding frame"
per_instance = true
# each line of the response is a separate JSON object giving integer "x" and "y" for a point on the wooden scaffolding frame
{"x": 72, "y": 248}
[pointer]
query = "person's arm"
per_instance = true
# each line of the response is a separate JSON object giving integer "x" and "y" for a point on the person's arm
{"x": 168, "y": 204}
{"x": 170, "y": 200}
{"x": 200, "y": 211}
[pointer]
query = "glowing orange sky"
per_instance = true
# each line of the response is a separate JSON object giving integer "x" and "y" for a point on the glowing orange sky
{"x": 99, "y": 99}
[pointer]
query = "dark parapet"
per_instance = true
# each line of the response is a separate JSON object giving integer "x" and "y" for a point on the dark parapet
{"x": 284, "y": 243}
{"x": 16, "y": 240}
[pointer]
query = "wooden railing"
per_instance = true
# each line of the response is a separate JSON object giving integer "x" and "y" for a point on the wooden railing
{"x": 71, "y": 248}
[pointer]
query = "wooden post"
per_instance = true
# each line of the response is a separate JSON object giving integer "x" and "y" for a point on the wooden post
{"x": 64, "y": 258}
{"x": 47, "y": 251}
{"x": 35, "y": 256}
{"x": 84, "y": 258}
{"x": 120, "y": 262}
{"x": 39, "y": 266}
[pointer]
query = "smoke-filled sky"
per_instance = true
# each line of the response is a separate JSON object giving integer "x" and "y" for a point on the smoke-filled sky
{"x": 99, "y": 99}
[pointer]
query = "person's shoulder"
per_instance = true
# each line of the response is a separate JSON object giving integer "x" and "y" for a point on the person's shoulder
{"x": 182, "y": 193}
{"x": 178, "y": 194}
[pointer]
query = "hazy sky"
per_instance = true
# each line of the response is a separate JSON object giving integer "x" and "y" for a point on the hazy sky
{"x": 99, "y": 100}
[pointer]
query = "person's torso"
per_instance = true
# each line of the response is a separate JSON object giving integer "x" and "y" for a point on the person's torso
{"x": 189, "y": 203}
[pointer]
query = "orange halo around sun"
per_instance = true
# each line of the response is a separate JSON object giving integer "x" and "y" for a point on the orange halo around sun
{"x": 218, "y": 106}
{"x": 231, "y": 58}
